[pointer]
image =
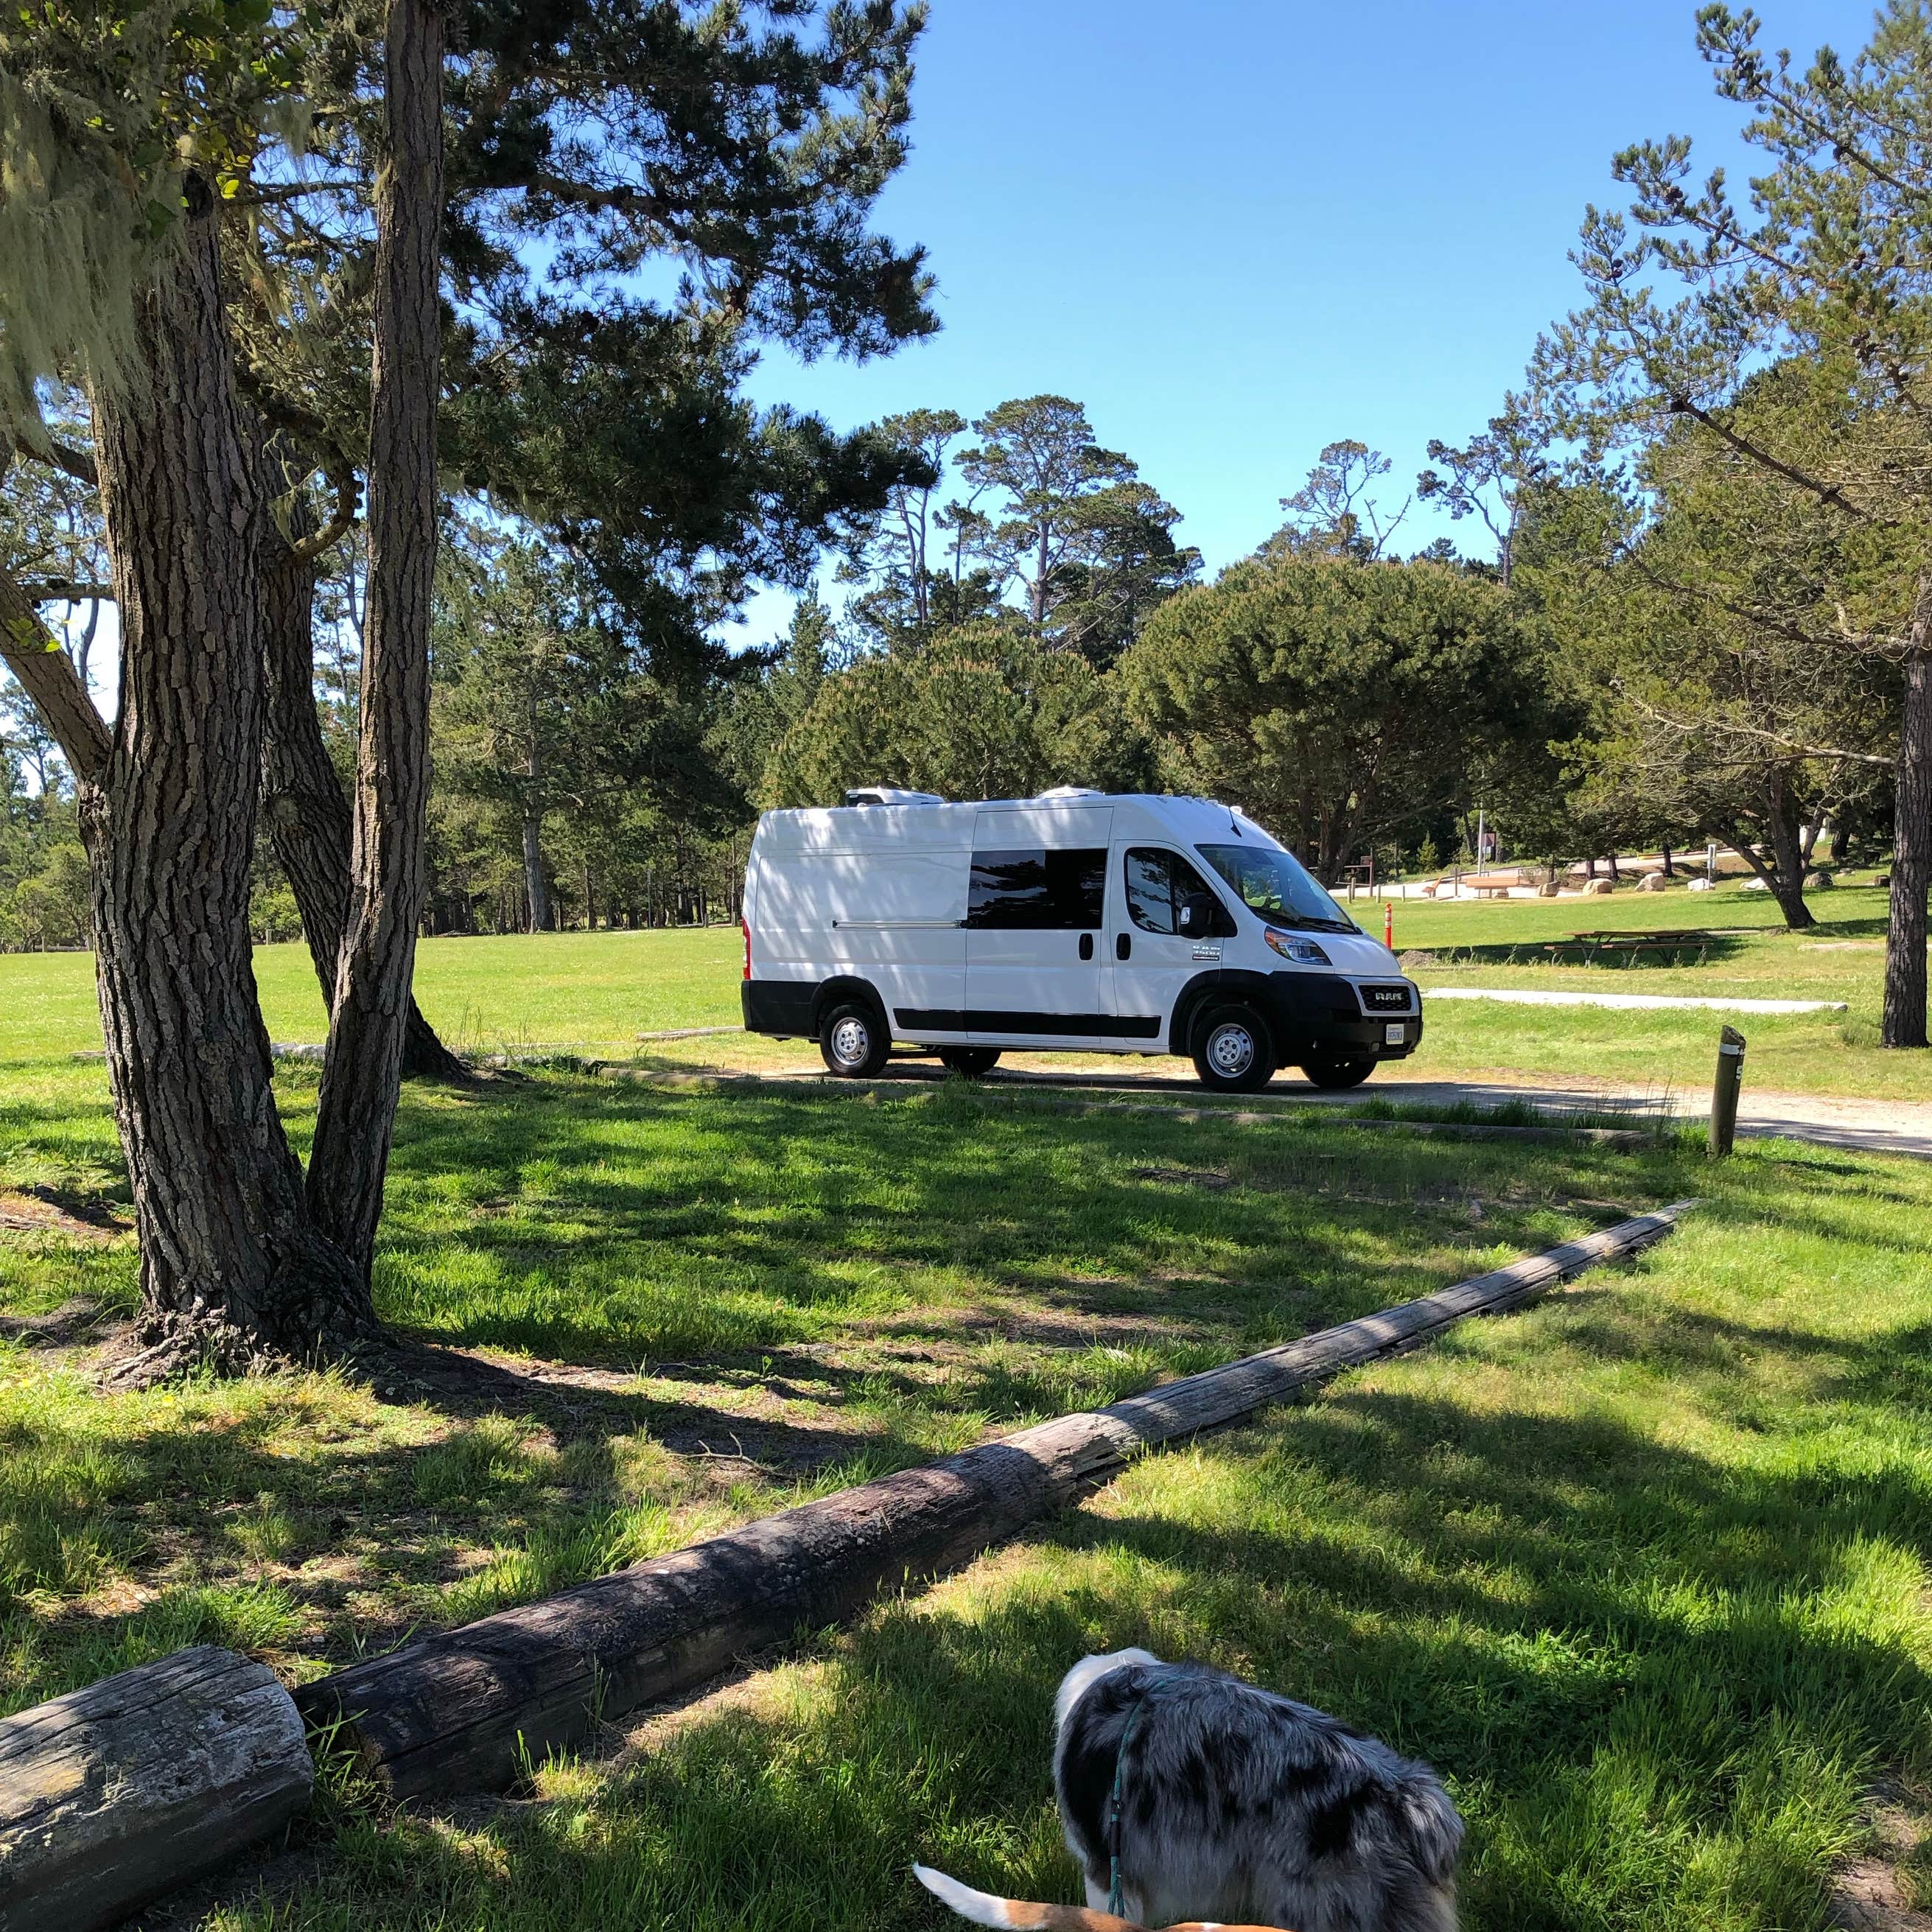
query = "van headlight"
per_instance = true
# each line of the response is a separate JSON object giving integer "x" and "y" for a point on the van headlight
{"x": 1293, "y": 946}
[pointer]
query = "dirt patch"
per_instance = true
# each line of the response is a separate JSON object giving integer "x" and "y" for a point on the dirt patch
{"x": 46, "y": 1211}
{"x": 1214, "y": 1181}
{"x": 73, "y": 1320}
{"x": 1868, "y": 1893}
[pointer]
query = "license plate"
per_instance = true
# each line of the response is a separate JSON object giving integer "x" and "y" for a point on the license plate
{"x": 1394, "y": 1034}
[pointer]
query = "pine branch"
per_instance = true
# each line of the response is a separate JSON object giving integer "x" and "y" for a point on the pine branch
{"x": 75, "y": 462}
{"x": 64, "y": 590}
{"x": 1825, "y": 493}
{"x": 46, "y": 674}
{"x": 1878, "y": 643}
{"x": 1689, "y": 728}
{"x": 320, "y": 542}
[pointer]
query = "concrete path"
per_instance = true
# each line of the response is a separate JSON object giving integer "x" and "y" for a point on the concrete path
{"x": 1648, "y": 1003}
{"x": 1872, "y": 1127}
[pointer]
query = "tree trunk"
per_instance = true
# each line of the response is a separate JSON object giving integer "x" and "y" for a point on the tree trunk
{"x": 1669, "y": 870}
{"x": 302, "y": 802}
{"x": 1787, "y": 879}
{"x": 535, "y": 886}
{"x": 356, "y": 1115}
{"x": 224, "y": 1233}
{"x": 1904, "y": 1020}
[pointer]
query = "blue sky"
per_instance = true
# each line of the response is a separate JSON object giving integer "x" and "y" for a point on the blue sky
{"x": 1238, "y": 230}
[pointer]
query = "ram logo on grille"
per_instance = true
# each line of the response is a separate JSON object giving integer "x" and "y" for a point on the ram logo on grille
{"x": 1392, "y": 999}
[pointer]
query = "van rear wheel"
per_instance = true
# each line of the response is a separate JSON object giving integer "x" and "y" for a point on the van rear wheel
{"x": 971, "y": 1061}
{"x": 1232, "y": 1052}
{"x": 853, "y": 1041}
{"x": 1338, "y": 1073}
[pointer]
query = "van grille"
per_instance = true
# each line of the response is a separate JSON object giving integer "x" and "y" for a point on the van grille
{"x": 1385, "y": 999}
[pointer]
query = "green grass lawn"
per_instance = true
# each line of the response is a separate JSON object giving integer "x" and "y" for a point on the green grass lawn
{"x": 601, "y": 990}
{"x": 483, "y": 994}
{"x": 1643, "y": 1570}
{"x": 1842, "y": 957}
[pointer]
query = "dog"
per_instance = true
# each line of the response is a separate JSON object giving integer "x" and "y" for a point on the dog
{"x": 1220, "y": 1803}
{"x": 1019, "y": 1915}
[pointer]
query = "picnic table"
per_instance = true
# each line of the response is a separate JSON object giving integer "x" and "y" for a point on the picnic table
{"x": 1629, "y": 945}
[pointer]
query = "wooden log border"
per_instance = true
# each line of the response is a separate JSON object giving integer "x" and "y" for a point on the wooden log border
{"x": 116, "y": 1795}
{"x": 463, "y": 1709}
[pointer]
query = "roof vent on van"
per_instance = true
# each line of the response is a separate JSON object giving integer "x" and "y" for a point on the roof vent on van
{"x": 1071, "y": 791}
{"x": 886, "y": 795}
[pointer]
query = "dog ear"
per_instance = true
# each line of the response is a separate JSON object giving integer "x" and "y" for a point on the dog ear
{"x": 1017, "y": 1914}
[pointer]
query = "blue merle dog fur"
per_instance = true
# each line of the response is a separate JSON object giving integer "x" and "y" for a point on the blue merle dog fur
{"x": 1241, "y": 1806}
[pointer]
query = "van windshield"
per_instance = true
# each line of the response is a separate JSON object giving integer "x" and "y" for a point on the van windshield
{"x": 1277, "y": 886}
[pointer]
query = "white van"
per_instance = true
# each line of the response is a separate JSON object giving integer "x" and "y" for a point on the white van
{"x": 1076, "y": 921}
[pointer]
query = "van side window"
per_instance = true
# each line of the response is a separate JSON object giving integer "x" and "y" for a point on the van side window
{"x": 1159, "y": 884}
{"x": 1039, "y": 891}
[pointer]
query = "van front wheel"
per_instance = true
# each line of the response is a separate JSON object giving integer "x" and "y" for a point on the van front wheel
{"x": 1232, "y": 1054}
{"x": 972, "y": 1061}
{"x": 853, "y": 1041}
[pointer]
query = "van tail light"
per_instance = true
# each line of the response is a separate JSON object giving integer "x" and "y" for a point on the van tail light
{"x": 744, "y": 927}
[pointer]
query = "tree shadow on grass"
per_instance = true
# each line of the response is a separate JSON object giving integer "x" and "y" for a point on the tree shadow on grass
{"x": 1549, "y": 949}
{"x": 1653, "y": 1680}
{"x": 576, "y": 1211}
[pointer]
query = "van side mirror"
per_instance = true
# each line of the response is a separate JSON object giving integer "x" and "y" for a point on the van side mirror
{"x": 1197, "y": 913}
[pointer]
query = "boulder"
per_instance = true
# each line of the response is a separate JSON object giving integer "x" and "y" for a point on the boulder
{"x": 1596, "y": 888}
{"x": 1756, "y": 886}
{"x": 1547, "y": 891}
{"x": 1817, "y": 882}
{"x": 1698, "y": 885}
{"x": 1651, "y": 882}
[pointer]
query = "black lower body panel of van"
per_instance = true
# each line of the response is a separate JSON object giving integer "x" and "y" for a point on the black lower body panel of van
{"x": 778, "y": 1006}
{"x": 1316, "y": 1016}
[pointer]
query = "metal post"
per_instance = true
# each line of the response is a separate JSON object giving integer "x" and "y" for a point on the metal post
{"x": 1724, "y": 1092}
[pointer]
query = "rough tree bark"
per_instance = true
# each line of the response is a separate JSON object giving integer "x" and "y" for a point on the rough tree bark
{"x": 542, "y": 920}
{"x": 1904, "y": 1021}
{"x": 226, "y": 1240}
{"x": 303, "y": 805}
{"x": 1786, "y": 878}
{"x": 369, "y": 1016}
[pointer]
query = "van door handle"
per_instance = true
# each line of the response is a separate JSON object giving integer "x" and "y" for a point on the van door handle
{"x": 1086, "y": 946}
{"x": 1123, "y": 945}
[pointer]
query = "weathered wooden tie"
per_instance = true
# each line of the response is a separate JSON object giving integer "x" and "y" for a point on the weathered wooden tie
{"x": 112, "y": 1796}
{"x": 459, "y": 1710}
